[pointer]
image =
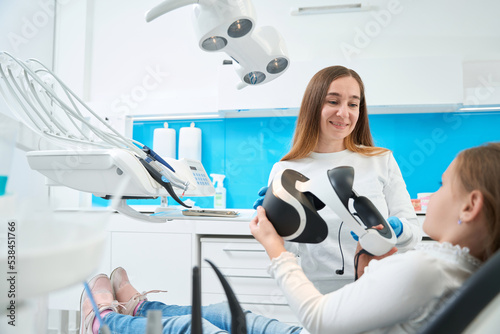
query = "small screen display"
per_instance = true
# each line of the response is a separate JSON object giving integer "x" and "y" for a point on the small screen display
{"x": 192, "y": 167}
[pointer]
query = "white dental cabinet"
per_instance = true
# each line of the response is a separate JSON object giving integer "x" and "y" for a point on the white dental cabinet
{"x": 162, "y": 255}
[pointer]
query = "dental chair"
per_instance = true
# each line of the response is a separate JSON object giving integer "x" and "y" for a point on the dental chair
{"x": 474, "y": 307}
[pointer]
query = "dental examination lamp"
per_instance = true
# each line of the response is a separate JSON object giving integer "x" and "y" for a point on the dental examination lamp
{"x": 292, "y": 203}
{"x": 229, "y": 26}
{"x": 86, "y": 153}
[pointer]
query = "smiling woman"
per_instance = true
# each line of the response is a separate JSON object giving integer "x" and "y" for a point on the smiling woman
{"x": 321, "y": 91}
{"x": 339, "y": 114}
{"x": 333, "y": 130}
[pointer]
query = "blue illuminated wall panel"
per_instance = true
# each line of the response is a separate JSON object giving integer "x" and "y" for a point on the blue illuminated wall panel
{"x": 245, "y": 149}
{"x": 425, "y": 144}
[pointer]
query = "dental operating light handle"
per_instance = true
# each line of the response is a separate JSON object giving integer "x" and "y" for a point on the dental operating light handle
{"x": 167, "y": 6}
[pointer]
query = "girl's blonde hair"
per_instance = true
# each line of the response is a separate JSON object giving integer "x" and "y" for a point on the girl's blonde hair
{"x": 308, "y": 122}
{"x": 478, "y": 168}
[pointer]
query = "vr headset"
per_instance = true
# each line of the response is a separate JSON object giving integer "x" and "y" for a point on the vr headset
{"x": 292, "y": 203}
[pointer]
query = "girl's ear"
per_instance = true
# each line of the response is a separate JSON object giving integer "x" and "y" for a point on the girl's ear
{"x": 472, "y": 207}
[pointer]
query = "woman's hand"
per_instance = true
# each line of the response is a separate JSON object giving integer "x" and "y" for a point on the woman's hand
{"x": 364, "y": 259}
{"x": 266, "y": 234}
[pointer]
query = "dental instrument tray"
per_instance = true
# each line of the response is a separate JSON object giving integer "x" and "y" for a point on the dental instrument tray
{"x": 210, "y": 213}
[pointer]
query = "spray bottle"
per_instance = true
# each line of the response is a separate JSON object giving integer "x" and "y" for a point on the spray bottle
{"x": 220, "y": 191}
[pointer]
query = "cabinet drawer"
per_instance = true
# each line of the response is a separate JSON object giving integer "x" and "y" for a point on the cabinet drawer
{"x": 258, "y": 305}
{"x": 234, "y": 253}
{"x": 250, "y": 281}
{"x": 210, "y": 298}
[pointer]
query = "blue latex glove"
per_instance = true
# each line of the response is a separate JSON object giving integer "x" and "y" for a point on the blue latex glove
{"x": 395, "y": 223}
{"x": 261, "y": 193}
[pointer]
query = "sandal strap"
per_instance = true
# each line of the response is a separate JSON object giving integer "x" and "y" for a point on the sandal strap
{"x": 136, "y": 299}
{"x": 145, "y": 293}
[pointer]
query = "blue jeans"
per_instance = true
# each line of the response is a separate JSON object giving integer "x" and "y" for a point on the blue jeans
{"x": 177, "y": 320}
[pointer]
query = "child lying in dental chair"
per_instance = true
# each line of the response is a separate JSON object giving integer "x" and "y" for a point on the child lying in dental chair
{"x": 397, "y": 294}
{"x": 394, "y": 294}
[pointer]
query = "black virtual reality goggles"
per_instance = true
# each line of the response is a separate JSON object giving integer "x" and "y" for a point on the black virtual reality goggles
{"x": 292, "y": 203}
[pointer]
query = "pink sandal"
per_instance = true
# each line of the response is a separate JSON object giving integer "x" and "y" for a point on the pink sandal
{"x": 100, "y": 286}
{"x": 125, "y": 293}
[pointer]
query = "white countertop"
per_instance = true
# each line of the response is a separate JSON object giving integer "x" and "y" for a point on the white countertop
{"x": 178, "y": 223}
{"x": 186, "y": 224}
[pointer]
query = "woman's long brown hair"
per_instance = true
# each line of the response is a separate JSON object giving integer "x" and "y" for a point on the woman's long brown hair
{"x": 308, "y": 122}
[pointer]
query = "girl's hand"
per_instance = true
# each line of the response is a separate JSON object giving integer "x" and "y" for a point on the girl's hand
{"x": 364, "y": 259}
{"x": 265, "y": 233}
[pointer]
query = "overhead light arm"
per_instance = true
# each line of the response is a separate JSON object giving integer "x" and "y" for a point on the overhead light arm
{"x": 167, "y": 6}
{"x": 229, "y": 26}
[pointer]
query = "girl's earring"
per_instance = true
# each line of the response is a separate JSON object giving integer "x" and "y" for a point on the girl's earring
{"x": 460, "y": 222}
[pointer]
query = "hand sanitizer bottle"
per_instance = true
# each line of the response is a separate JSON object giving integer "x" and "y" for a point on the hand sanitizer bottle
{"x": 220, "y": 191}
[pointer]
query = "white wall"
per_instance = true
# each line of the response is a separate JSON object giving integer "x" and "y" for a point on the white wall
{"x": 134, "y": 67}
{"x": 122, "y": 65}
{"x": 394, "y": 28}
{"x": 27, "y": 28}
{"x": 139, "y": 68}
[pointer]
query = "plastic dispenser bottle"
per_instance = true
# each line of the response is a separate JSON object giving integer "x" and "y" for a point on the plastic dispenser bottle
{"x": 164, "y": 142}
{"x": 220, "y": 191}
{"x": 190, "y": 142}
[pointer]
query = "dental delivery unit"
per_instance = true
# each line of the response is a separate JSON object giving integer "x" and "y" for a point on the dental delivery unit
{"x": 86, "y": 153}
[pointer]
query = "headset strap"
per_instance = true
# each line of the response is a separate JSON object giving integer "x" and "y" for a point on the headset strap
{"x": 356, "y": 260}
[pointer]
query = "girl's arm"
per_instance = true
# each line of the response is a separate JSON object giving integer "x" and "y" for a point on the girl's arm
{"x": 386, "y": 294}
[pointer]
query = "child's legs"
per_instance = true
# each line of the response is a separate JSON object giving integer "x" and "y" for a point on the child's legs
{"x": 126, "y": 324}
{"x": 166, "y": 310}
{"x": 220, "y": 316}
